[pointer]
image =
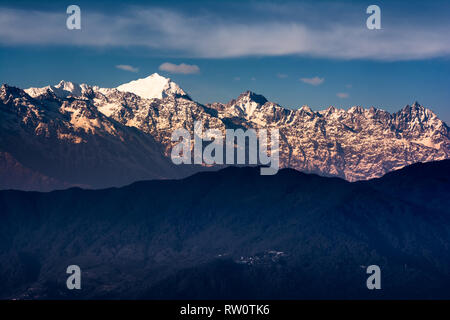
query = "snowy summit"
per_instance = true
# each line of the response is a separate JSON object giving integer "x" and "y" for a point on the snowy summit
{"x": 154, "y": 86}
{"x": 62, "y": 90}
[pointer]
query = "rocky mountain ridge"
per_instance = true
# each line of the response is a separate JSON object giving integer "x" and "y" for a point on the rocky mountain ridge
{"x": 354, "y": 144}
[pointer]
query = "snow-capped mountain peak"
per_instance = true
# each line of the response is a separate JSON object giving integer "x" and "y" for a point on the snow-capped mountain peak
{"x": 247, "y": 103}
{"x": 305, "y": 108}
{"x": 62, "y": 90}
{"x": 251, "y": 96}
{"x": 153, "y": 86}
{"x": 70, "y": 87}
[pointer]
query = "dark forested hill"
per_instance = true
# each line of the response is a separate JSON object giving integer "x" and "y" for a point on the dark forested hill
{"x": 233, "y": 234}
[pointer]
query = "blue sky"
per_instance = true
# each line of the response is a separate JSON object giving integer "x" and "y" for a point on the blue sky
{"x": 304, "y": 52}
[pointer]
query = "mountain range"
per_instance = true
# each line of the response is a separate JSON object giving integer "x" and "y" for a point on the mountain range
{"x": 233, "y": 234}
{"x": 79, "y": 135}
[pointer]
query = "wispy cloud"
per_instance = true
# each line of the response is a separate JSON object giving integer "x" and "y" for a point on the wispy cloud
{"x": 179, "y": 68}
{"x": 342, "y": 95}
{"x": 212, "y": 35}
{"x": 315, "y": 81}
{"x": 127, "y": 67}
{"x": 282, "y": 75}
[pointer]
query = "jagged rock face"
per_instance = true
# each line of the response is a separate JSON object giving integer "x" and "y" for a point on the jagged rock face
{"x": 71, "y": 141}
{"x": 126, "y": 128}
{"x": 158, "y": 117}
{"x": 356, "y": 144}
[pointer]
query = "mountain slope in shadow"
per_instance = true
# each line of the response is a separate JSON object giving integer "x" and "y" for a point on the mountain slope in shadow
{"x": 233, "y": 234}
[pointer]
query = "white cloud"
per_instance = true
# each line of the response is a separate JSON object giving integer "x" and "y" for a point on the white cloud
{"x": 342, "y": 95}
{"x": 315, "y": 81}
{"x": 211, "y": 35}
{"x": 179, "y": 68}
{"x": 127, "y": 67}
